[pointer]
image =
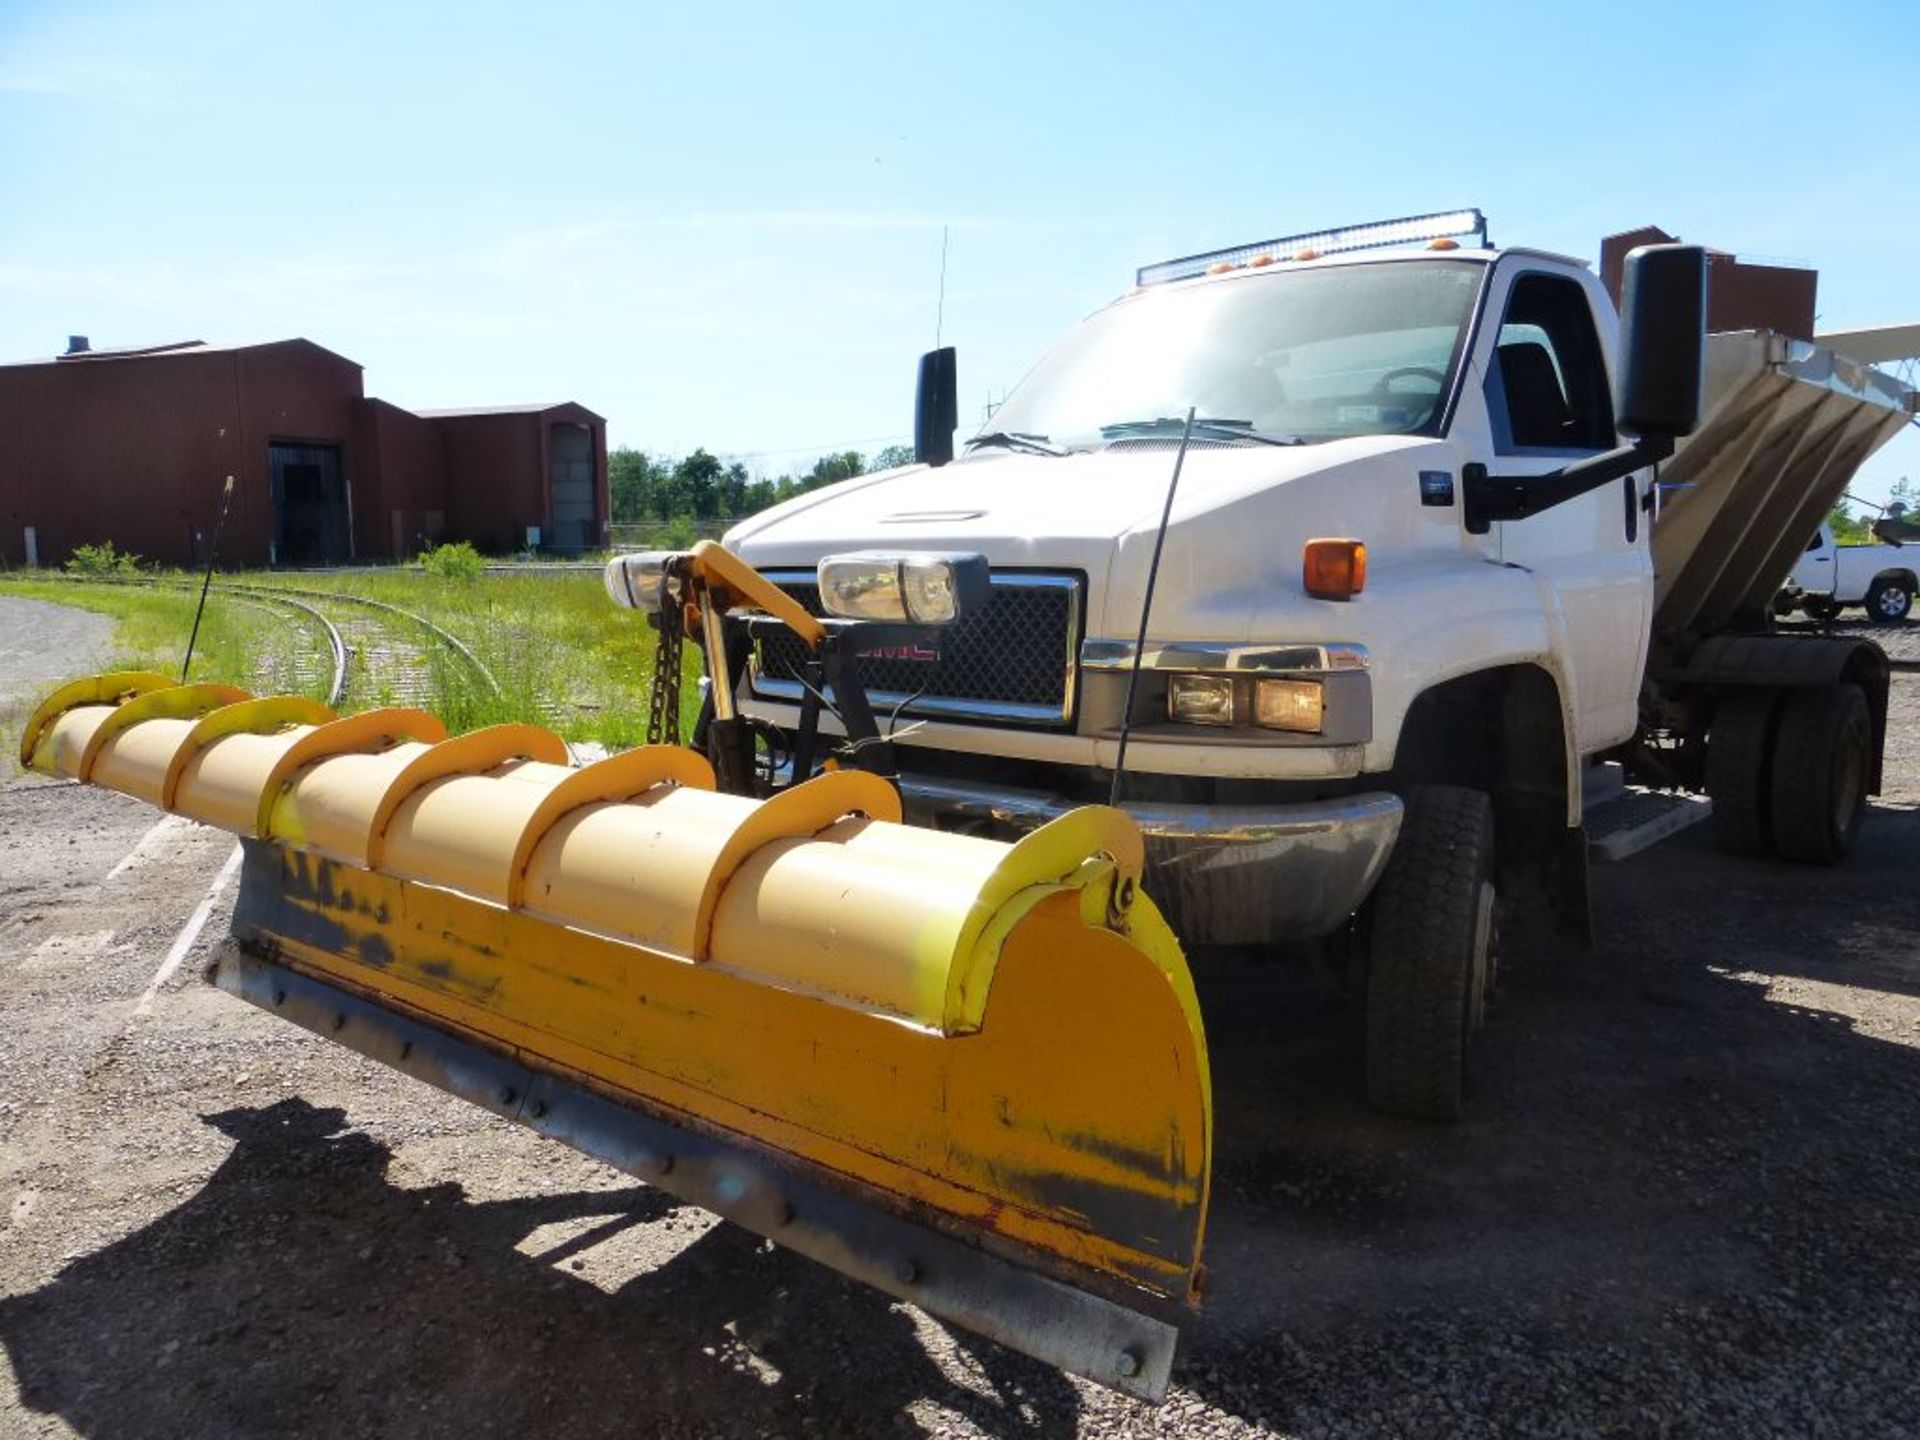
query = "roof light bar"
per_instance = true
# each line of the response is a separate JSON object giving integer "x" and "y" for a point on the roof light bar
{"x": 1414, "y": 229}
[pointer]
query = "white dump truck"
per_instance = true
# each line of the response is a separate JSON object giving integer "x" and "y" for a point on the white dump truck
{"x": 1324, "y": 557}
{"x": 1829, "y": 577}
{"x": 1413, "y": 587}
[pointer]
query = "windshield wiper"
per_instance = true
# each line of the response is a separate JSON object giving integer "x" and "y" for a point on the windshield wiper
{"x": 1016, "y": 440}
{"x": 1204, "y": 429}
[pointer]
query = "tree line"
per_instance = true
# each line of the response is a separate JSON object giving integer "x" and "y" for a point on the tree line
{"x": 700, "y": 486}
{"x": 1851, "y": 529}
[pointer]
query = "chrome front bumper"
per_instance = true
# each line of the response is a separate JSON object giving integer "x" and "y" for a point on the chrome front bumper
{"x": 1223, "y": 874}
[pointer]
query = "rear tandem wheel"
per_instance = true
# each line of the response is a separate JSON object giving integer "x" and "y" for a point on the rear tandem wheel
{"x": 1788, "y": 770}
{"x": 1823, "y": 756}
{"x": 1739, "y": 745}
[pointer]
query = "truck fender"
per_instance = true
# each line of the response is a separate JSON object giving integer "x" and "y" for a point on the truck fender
{"x": 1508, "y": 730}
{"x": 1900, "y": 574}
{"x": 1549, "y": 686}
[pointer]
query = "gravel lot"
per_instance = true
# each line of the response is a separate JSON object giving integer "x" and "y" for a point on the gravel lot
{"x": 39, "y": 644}
{"x": 1684, "y": 1204}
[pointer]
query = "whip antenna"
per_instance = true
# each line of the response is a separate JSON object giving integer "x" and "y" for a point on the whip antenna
{"x": 213, "y": 556}
{"x": 1146, "y": 608}
{"x": 940, "y": 309}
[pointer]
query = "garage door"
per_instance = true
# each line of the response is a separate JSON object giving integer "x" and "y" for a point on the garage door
{"x": 570, "y": 452}
{"x": 311, "y": 519}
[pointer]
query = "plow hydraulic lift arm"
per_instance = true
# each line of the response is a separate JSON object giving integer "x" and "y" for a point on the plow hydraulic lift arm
{"x": 969, "y": 1073}
{"x": 693, "y": 591}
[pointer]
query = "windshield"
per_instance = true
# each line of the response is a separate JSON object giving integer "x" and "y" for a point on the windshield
{"x": 1304, "y": 354}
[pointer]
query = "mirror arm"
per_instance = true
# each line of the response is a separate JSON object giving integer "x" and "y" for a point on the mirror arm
{"x": 1487, "y": 498}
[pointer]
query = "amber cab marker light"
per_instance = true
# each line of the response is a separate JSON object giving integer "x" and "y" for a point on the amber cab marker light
{"x": 1334, "y": 569}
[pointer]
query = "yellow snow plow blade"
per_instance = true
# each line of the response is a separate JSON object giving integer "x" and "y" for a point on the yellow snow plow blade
{"x": 967, "y": 1072}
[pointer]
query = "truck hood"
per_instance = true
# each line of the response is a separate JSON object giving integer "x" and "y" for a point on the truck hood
{"x": 1234, "y": 520}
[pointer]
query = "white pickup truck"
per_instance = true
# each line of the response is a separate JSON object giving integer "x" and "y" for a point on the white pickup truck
{"x": 1830, "y": 577}
{"x": 1411, "y": 586}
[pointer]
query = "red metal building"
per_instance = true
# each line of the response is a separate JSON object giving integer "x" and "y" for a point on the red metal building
{"x": 134, "y": 446}
{"x": 1741, "y": 295}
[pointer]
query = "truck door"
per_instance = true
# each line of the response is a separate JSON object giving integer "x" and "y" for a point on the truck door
{"x": 1549, "y": 401}
{"x": 1816, "y": 571}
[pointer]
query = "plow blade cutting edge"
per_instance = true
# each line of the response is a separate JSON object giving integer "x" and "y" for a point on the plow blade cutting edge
{"x": 969, "y": 1073}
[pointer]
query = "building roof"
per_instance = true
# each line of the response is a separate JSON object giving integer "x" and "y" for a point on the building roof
{"x": 101, "y": 354}
{"x": 530, "y": 409}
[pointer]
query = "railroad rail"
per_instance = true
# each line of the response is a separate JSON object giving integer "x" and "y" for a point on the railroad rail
{"x": 377, "y": 652}
{"x": 393, "y": 669}
{"x": 335, "y": 642}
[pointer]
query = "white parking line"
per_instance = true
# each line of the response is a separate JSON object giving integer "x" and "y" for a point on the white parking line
{"x": 190, "y": 932}
{"x": 153, "y": 840}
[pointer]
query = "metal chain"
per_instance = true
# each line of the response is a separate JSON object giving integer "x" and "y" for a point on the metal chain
{"x": 663, "y": 712}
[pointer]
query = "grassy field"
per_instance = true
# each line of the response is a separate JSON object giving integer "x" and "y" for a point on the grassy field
{"x": 562, "y": 655}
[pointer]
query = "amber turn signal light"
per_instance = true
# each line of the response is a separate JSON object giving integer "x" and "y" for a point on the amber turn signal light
{"x": 1334, "y": 569}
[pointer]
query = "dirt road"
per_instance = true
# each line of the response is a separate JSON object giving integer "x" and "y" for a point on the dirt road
{"x": 1685, "y": 1203}
{"x": 39, "y": 644}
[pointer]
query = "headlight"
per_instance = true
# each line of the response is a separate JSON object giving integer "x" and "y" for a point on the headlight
{"x": 633, "y": 581}
{"x": 1200, "y": 699}
{"x": 911, "y": 589}
{"x": 1296, "y": 705}
{"x": 1289, "y": 705}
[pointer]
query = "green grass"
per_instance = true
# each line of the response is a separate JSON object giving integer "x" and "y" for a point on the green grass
{"x": 153, "y": 624}
{"x": 562, "y": 654}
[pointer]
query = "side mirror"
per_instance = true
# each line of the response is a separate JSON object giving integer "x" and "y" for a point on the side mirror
{"x": 1663, "y": 325}
{"x": 936, "y": 408}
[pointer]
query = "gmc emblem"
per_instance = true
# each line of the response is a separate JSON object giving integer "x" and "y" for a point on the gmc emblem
{"x": 915, "y": 654}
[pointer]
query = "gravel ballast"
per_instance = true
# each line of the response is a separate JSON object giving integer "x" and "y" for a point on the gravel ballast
{"x": 1685, "y": 1199}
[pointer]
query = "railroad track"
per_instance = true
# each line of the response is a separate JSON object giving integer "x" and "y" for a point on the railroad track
{"x": 298, "y": 672}
{"x": 394, "y": 656}
{"x": 369, "y": 652}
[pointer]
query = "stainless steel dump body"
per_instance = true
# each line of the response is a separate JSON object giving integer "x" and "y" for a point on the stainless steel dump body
{"x": 1787, "y": 425}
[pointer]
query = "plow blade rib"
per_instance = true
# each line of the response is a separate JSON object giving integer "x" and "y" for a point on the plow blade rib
{"x": 967, "y": 1072}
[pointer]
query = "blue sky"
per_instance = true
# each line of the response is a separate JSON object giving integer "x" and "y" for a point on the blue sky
{"x": 721, "y": 225}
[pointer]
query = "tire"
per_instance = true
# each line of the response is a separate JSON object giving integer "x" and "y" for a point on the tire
{"x": 1430, "y": 941}
{"x": 1888, "y": 600}
{"x": 1821, "y": 607}
{"x": 1822, "y": 762}
{"x": 1739, "y": 744}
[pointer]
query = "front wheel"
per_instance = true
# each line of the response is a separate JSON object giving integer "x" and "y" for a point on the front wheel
{"x": 1889, "y": 599}
{"x": 1430, "y": 944}
{"x": 1820, "y": 607}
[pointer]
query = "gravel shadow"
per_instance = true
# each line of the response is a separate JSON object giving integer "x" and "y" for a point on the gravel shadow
{"x": 300, "y": 1292}
{"x": 1684, "y": 1200}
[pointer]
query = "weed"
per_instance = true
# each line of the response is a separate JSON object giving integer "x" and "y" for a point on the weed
{"x": 102, "y": 560}
{"x": 458, "y": 561}
{"x": 561, "y": 654}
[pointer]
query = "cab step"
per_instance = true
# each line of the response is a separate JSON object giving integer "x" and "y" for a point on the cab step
{"x": 1636, "y": 819}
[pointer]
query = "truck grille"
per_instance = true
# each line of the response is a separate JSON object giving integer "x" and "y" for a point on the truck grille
{"x": 1012, "y": 660}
